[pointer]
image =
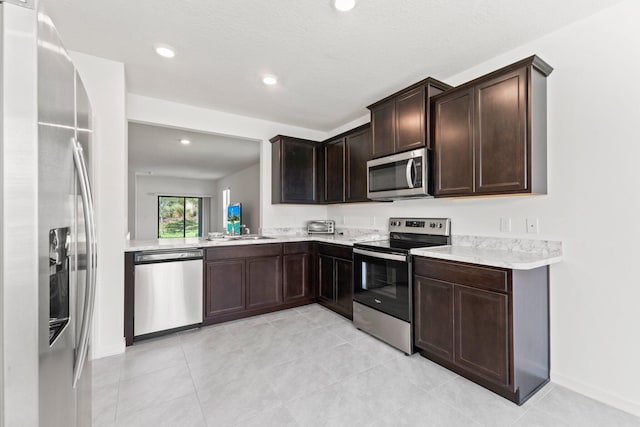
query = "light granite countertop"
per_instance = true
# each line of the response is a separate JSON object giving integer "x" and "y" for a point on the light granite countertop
{"x": 491, "y": 256}
{"x": 192, "y": 243}
{"x": 518, "y": 254}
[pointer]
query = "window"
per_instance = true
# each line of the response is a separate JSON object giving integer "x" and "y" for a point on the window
{"x": 226, "y": 201}
{"x": 179, "y": 217}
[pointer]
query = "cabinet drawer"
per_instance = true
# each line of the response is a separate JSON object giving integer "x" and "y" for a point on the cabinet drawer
{"x": 297, "y": 248}
{"x": 244, "y": 251}
{"x": 491, "y": 278}
{"x": 336, "y": 251}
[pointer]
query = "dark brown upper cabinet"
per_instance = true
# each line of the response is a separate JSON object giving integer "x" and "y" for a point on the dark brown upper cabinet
{"x": 345, "y": 166}
{"x": 357, "y": 146}
{"x": 294, "y": 170}
{"x": 490, "y": 134}
{"x": 400, "y": 122}
{"x": 334, "y": 171}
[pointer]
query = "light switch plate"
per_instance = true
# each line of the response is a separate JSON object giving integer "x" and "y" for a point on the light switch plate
{"x": 533, "y": 225}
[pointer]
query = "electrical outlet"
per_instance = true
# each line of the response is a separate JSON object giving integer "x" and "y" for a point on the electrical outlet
{"x": 505, "y": 225}
{"x": 533, "y": 226}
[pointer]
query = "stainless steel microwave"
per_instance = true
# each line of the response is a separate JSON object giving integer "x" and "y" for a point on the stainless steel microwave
{"x": 398, "y": 176}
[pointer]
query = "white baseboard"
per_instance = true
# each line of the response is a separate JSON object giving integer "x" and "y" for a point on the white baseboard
{"x": 98, "y": 352}
{"x": 596, "y": 393}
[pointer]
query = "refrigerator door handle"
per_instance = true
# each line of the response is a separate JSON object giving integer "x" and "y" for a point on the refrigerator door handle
{"x": 89, "y": 219}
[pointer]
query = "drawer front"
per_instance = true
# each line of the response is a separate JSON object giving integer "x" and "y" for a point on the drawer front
{"x": 337, "y": 251}
{"x": 244, "y": 251}
{"x": 297, "y": 248}
{"x": 492, "y": 278}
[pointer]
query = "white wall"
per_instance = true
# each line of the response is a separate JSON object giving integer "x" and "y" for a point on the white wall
{"x": 131, "y": 203}
{"x": 105, "y": 83}
{"x": 245, "y": 189}
{"x": 592, "y": 203}
{"x": 147, "y": 190}
{"x": 143, "y": 109}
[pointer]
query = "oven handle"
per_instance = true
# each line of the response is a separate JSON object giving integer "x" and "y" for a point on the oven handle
{"x": 391, "y": 257}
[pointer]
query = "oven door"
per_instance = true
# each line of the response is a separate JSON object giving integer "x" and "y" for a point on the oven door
{"x": 381, "y": 281}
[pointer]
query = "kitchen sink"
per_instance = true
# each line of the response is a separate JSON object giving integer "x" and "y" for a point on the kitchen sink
{"x": 249, "y": 237}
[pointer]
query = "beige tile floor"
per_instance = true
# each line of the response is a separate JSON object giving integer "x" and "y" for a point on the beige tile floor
{"x": 309, "y": 367}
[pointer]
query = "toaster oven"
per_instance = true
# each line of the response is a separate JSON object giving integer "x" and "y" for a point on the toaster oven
{"x": 321, "y": 227}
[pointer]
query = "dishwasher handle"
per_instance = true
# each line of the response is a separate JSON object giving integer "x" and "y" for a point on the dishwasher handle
{"x": 150, "y": 257}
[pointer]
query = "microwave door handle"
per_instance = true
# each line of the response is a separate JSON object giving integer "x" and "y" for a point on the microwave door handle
{"x": 409, "y": 172}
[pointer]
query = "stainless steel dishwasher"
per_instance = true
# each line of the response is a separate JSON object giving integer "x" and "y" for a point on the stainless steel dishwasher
{"x": 168, "y": 290}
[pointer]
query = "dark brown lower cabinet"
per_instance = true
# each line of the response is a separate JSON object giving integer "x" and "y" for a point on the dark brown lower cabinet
{"x": 297, "y": 272}
{"x": 434, "y": 327}
{"x": 344, "y": 286}
{"x": 482, "y": 332}
{"x": 264, "y": 282}
{"x": 225, "y": 287}
{"x": 240, "y": 281}
{"x": 335, "y": 278}
{"x": 326, "y": 279}
{"x": 243, "y": 281}
{"x": 488, "y": 324}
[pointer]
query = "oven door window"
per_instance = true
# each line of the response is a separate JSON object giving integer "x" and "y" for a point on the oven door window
{"x": 382, "y": 285}
{"x": 401, "y": 175}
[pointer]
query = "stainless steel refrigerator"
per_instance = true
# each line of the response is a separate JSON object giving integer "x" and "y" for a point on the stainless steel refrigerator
{"x": 48, "y": 253}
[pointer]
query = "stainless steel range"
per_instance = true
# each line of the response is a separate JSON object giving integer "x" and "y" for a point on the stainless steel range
{"x": 382, "y": 278}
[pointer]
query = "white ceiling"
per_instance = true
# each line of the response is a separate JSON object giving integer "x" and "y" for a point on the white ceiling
{"x": 330, "y": 64}
{"x": 157, "y": 151}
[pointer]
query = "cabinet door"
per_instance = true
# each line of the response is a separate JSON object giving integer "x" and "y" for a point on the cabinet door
{"x": 482, "y": 333}
{"x": 326, "y": 280}
{"x": 344, "y": 286}
{"x": 453, "y": 144}
{"x": 358, "y": 151}
{"x": 298, "y": 171}
{"x": 264, "y": 285}
{"x": 383, "y": 128}
{"x": 224, "y": 287}
{"x": 296, "y": 276}
{"x": 334, "y": 171}
{"x": 433, "y": 329}
{"x": 501, "y": 134}
{"x": 410, "y": 120}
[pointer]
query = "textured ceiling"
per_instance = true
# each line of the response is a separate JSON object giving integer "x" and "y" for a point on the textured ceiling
{"x": 330, "y": 64}
{"x": 157, "y": 151}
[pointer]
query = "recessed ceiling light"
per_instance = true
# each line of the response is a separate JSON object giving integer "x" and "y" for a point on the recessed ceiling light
{"x": 344, "y": 5}
{"x": 165, "y": 51}
{"x": 185, "y": 141}
{"x": 269, "y": 80}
